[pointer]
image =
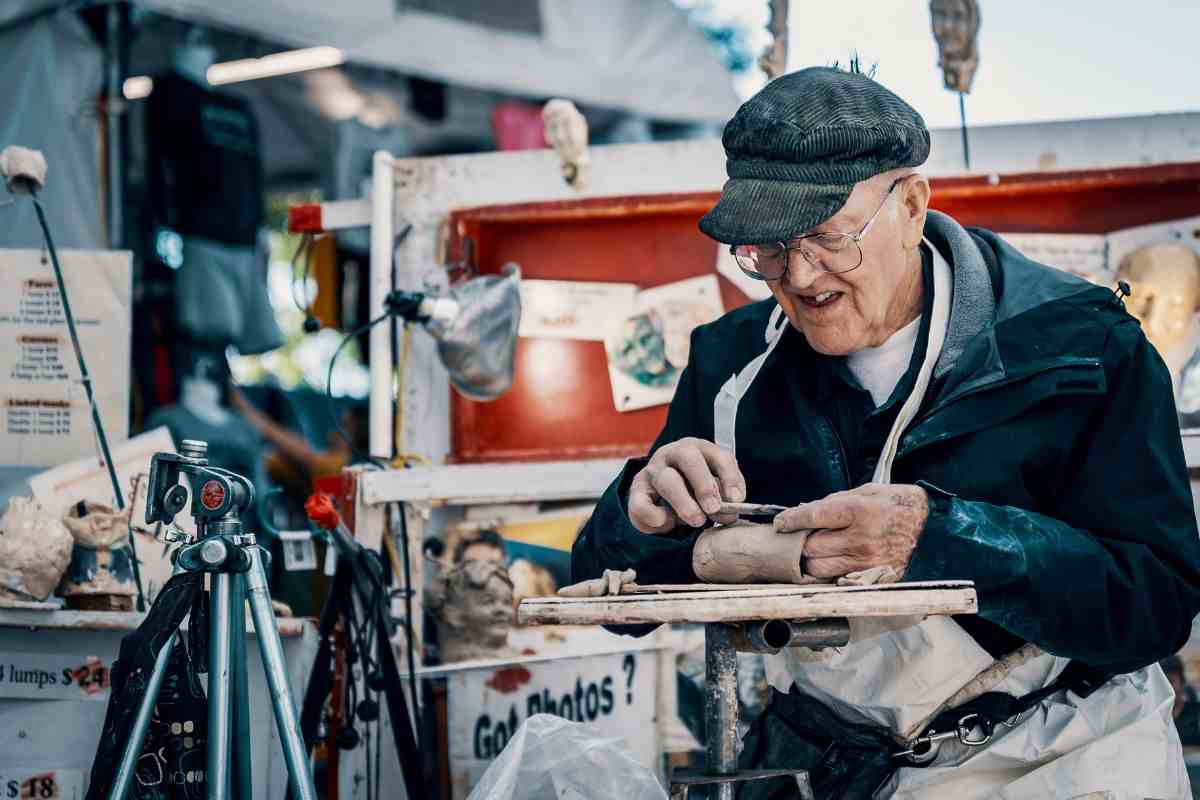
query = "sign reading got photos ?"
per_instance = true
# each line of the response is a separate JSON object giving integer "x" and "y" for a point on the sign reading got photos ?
{"x": 615, "y": 693}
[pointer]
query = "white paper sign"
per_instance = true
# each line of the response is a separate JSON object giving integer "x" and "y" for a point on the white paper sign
{"x": 573, "y": 309}
{"x": 1082, "y": 254}
{"x": 648, "y": 350}
{"x": 43, "y": 676}
{"x": 614, "y": 693}
{"x": 45, "y": 418}
{"x": 87, "y": 479}
{"x": 40, "y": 783}
{"x": 1123, "y": 242}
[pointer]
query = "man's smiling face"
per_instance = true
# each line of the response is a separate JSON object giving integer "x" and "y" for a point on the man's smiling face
{"x": 846, "y": 312}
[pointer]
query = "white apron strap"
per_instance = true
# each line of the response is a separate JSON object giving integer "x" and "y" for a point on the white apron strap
{"x": 939, "y": 321}
{"x": 725, "y": 406}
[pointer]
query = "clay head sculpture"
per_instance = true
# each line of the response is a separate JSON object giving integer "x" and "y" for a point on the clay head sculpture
{"x": 1165, "y": 284}
{"x": 35, "y": 549}
{"x": 566, "y": 130}
{"x": 473, "y": 602}
{"x": 956, "y": 29}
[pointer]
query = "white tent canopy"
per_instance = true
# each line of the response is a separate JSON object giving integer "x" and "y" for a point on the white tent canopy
{"x": 643, "y": 56}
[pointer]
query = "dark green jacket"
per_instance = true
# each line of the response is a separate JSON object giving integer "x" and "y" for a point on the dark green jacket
{"x": 1049, "y": 445}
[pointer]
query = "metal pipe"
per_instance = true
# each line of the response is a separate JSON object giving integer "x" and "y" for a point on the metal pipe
{"x": 287, "y": 721}
{"x": 383, "y": 199}
{"x": 220, "y": 699}
{"x": 243, "y": 770}
{"x": 141, "y": 723}
{"x": 720, "y": 704}
{"x": 114, "y": 108}
{"x": 772, "y": 635}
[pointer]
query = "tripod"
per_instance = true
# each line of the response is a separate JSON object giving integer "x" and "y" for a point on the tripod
{"x": 234, "y": 564}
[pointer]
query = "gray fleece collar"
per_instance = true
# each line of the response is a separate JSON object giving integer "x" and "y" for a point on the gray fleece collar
{"x": 973, "y": 305}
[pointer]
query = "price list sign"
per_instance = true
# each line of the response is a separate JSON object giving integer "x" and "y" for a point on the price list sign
{"x": 44, "y": 415}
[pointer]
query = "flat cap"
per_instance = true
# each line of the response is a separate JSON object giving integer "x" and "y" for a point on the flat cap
{"x": 795, "y": 150}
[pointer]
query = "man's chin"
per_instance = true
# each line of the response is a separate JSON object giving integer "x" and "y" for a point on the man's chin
{"x": 829, "y": 342}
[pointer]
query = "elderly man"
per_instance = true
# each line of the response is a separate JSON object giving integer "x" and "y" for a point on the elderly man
{"x": 935, "y": 406}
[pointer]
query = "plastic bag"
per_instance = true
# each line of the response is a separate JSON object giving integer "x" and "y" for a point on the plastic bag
{"x": 550, "y": 758}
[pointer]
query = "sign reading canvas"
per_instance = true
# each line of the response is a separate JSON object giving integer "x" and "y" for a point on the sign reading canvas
{"x": 615, "y": 693}
{"x": 42, "y": 676}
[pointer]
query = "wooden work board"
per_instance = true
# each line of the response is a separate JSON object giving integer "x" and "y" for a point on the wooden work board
{"x": 745, "y": 603}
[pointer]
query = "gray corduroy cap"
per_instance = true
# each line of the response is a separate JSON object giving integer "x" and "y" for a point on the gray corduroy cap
{"x": 795, "y": 150}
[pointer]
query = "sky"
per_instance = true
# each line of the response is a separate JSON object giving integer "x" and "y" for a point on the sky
{"x": 1038, "y": 61}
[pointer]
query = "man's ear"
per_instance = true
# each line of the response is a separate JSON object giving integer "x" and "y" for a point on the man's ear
{"x": 914, "y": 203}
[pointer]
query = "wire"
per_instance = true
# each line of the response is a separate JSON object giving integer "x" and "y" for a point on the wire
{"x": 300, "y": 248}
{"x": 361, "y": 329}
{"x": 410, "y": 642}
{"x": 98, "y": 425}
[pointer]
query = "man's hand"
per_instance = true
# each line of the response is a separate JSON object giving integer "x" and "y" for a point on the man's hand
{"x": 876, "y": 525}
{"x": 684, "y": 481}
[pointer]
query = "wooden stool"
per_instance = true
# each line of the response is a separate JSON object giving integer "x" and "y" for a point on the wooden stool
{"x": 751, "y": 618}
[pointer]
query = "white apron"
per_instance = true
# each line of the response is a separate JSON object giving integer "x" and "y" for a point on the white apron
{"x": 1119, "y": 742}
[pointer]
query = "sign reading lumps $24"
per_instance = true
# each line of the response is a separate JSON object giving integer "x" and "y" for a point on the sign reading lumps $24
{"x": 614, "y": 693}
{"x": 57, "y": 676}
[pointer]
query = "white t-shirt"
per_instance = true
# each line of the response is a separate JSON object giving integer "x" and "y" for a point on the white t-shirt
{"x": 879, "y": 369}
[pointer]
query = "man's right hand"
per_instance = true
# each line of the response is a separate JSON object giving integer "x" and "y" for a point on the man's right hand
{"x": 685, "y": 481}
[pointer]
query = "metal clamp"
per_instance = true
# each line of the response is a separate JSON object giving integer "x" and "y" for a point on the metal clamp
{"x": 925, "y": 748}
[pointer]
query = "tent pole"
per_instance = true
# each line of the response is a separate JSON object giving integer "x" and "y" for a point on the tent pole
{"x": 114, "y": 111}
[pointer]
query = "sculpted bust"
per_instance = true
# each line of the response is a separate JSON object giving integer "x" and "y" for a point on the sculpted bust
{"x": 956, "y": 29}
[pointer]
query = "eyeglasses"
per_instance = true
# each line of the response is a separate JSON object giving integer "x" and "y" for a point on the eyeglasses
{"x": 829, "y": 252}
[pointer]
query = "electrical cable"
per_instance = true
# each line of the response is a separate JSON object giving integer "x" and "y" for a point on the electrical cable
{"x": 300, "y": 248}
{"x": 410, "y": 643}
{"x": 361, "y": 329}
{"x": 86, "y": 379}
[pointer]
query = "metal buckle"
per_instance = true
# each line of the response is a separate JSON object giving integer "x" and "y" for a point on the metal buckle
{"x": 967, "y": 724}
{"x": 916, "y": 754}
{"x": 924, "y": 749}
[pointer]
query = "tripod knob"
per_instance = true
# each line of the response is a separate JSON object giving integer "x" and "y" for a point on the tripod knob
{"x": 213, "y": 552}
{"x": 347, "y": 739}
{"x": 368, "y": 710}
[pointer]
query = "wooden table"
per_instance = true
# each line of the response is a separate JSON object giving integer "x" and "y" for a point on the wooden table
{"x": 753, "y": 618}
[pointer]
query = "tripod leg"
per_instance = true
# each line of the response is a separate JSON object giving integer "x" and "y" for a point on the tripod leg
{"x": 141, "y": 724}
{"x": 242, "y": 769}
{"x": 219, "y": 685}
{"x": 286, "y": 719}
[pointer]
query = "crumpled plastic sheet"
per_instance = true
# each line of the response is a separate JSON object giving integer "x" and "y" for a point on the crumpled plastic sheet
{"x": 550, "y": 758}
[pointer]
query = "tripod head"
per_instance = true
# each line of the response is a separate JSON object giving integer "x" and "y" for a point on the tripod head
{"x": 218, "y": 496}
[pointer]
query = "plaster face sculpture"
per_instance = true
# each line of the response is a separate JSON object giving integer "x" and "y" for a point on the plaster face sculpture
{"x": 1165, "y": 281}
{"x": 567, "y": 132}
{"x": 100, "y": 561}
{"x": 956, "y": 28}
{"x": 473, "y": 602}
{"x": 35, "y": 549}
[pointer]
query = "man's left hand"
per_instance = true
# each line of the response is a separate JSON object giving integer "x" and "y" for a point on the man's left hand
{"x": 876, "y": 525}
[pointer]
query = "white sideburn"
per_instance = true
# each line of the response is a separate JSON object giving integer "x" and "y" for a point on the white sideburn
{"x": 879, "y": 369}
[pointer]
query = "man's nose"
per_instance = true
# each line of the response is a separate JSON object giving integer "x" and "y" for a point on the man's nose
{"x": 800, "y": 272}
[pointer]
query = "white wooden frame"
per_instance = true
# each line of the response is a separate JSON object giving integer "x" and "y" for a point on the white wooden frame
{"x": 422, "y": 192}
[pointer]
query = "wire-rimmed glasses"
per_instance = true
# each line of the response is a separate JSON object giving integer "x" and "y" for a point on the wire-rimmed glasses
{"x": 829, "y": 252}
